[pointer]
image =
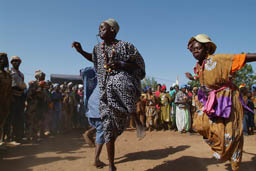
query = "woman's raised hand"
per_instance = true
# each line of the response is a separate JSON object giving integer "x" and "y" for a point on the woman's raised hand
{"x": 189, "y": 76}
{"x": 77, "y": 46}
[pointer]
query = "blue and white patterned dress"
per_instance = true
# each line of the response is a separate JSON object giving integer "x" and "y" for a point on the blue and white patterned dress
{"x": 120, "y": 89}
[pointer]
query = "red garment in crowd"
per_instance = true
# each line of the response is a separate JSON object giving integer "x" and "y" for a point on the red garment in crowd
{"x": 80, "y": 93}
{"x": 190, "y": 94}
{"x": 157, "y": 94}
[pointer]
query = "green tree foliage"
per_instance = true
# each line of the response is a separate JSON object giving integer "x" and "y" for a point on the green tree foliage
{"x": 149, "y": 81}
{"x": 194, "y": 83}
{"x": 245, "y": 75}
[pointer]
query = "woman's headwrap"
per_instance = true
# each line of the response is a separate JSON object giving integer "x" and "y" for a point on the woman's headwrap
{"x": 183, "y": 86}
{"x": 113, "y": 23}
{"x": 39, "y": 74}
{"x": 253, "y": 88}
{"x": 15, "y": 58}
{"x": 80, "y": 86}
{"x": 70, "y": 84}
{"x": 203, "y": 38}
{"x": 146, "y": 89}
{"x": 195, "y": 88}
{"x": 163, "y": 88}
{"x": 62, "y": 86}
{"x": 242, "y": 85}
{"x": 55, "y": 85}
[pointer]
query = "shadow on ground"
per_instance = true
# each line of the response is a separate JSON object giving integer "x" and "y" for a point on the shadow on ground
{"x": 185, "y": 163}
{"x": 22, "y": 158}
{"x": 151, "y": 154}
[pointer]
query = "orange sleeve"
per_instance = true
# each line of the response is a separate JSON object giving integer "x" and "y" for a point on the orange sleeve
{"x": 238, "y": 62}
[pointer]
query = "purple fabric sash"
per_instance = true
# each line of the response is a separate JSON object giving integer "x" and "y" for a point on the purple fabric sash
{"x": 211, "y": 102}
{"x": 221, "y": 106}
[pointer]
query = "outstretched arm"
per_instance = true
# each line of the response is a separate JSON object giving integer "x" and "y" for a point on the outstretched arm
{"x": 250, "y": 57}
{"x": 80, "y": 50}
{"x": 189, "y": 76}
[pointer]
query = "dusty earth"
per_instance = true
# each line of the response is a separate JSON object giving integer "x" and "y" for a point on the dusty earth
{"x": 158, "y": 151}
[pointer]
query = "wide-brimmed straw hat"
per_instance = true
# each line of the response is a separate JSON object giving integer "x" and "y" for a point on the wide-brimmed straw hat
{"x": 203, "y": 38}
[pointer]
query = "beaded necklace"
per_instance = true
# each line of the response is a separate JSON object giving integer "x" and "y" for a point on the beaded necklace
{"x": 198, "y": 69}
{"x": 108, "y": 59}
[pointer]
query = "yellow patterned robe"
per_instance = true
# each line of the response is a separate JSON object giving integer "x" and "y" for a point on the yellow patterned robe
{"x": 223, "y": 129}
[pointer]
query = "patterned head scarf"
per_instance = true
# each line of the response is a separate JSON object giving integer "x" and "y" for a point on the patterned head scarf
{"x": 112, "y": 22}
{"x": 203, "y": 38}
{"x": 39, "y": 74}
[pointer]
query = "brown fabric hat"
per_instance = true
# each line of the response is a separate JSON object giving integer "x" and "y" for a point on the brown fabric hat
{"x": 203, "y": 38}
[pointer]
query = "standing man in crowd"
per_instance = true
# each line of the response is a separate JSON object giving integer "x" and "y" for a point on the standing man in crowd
{"x": 5, "y": 91}
{"x": 120, "y": 68}
{"x": 183, "y": 119}
{"x": 56, "y": 98}
{"x": 16, "y": 117}
{"x": 151, "y": 111}
{"x": 165, "y": 102}
{"x": 173, "y": 91}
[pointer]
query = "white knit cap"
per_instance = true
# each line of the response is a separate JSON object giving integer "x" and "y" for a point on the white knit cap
{"x": 113, "y": 23}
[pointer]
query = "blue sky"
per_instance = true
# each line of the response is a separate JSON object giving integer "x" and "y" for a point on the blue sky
{"x": 41, "y": 31}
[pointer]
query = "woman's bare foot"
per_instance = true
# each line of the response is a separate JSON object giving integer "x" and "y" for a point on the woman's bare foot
{"x": 99, "y": 164}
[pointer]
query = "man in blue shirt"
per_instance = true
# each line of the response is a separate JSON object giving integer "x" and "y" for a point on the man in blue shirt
{"x": 91, "y": 103}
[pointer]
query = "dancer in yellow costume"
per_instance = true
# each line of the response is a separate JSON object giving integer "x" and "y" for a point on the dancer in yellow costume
{"x": 219, "y": 121}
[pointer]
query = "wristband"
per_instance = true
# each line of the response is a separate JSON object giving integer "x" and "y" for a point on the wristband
{"x": 196, "y": 76}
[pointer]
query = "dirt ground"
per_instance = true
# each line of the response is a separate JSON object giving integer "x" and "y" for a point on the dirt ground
{"x": 158, "y": 151}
